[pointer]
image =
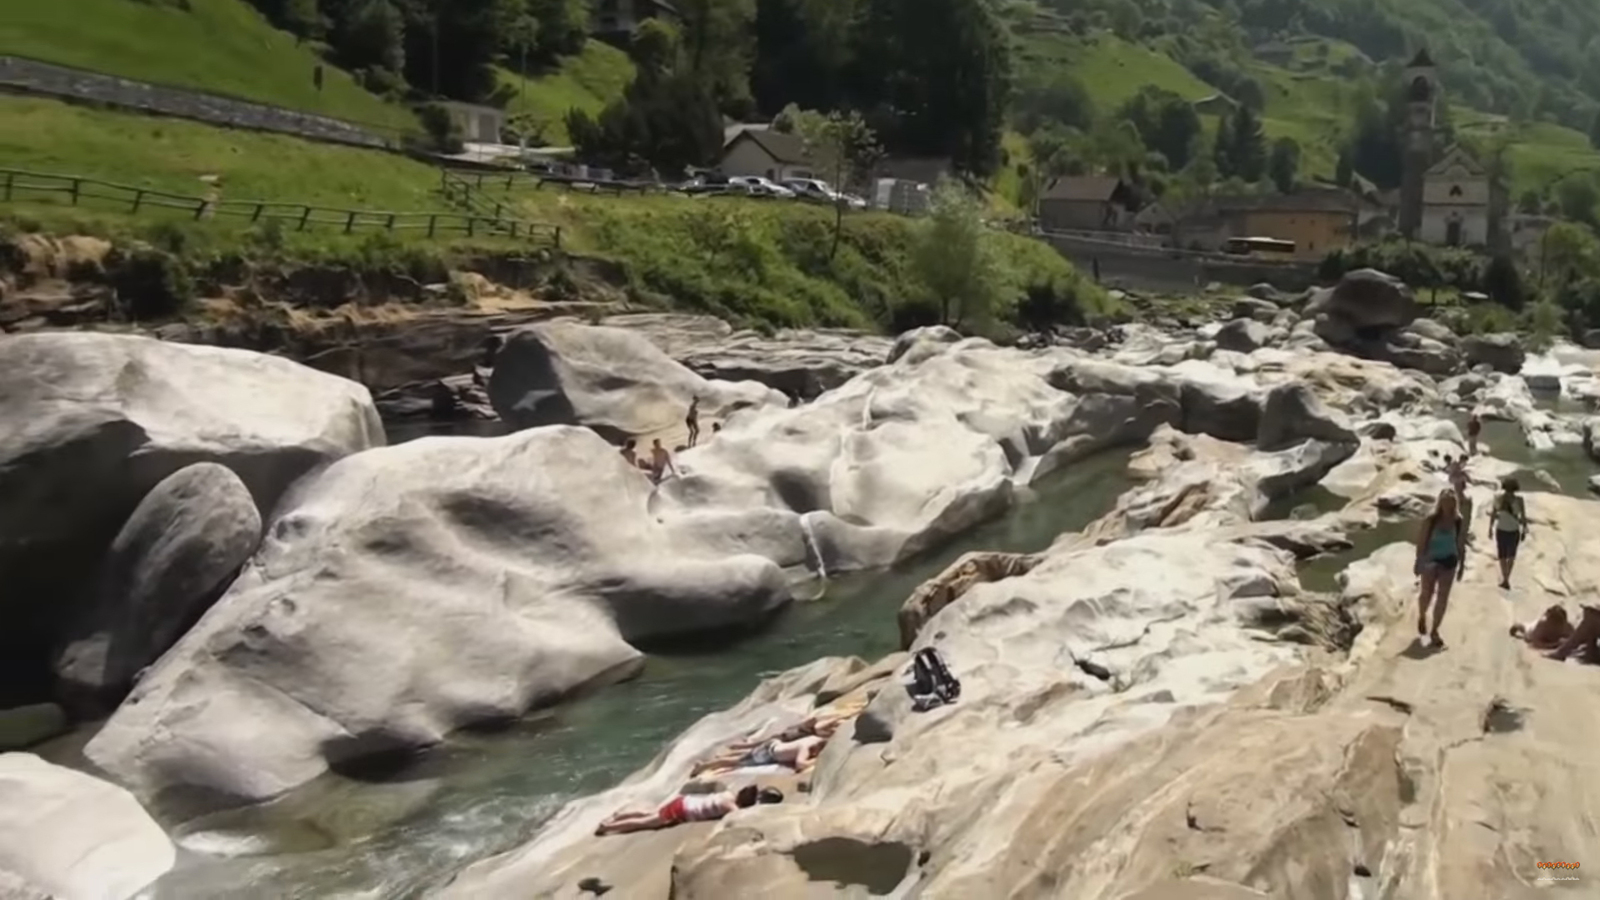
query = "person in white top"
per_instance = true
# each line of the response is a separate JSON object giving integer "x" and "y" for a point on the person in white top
{"x": 1508, "y": 518}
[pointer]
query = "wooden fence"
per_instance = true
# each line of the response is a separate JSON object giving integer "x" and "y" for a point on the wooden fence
{"x": 20, "y": 185}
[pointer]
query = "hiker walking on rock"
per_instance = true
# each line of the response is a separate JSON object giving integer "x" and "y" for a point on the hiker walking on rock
{"x": 1440, "y": 545}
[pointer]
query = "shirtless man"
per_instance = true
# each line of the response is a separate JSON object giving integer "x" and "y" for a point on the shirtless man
{"x": 798, "y": 754}
{"x": 688, "y": 808}
{"x": 660, "y": 461}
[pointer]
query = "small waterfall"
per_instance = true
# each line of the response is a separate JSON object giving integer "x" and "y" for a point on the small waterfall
{"x": 866, "y": 408}
{"x": 813, "y": 546}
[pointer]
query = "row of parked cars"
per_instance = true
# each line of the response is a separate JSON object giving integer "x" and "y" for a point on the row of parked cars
{"x": 810, "y": 189}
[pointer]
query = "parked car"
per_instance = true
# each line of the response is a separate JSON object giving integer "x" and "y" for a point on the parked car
{"x": 813, "y": 189}
{"x": 762, "y": 187}
{"x": 854, "y": 201}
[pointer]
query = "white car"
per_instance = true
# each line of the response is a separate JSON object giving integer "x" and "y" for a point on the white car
{"x": 812, "y": 189}
{"x": 759, "y": 186}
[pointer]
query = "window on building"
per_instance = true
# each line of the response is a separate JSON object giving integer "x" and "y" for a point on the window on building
{"x": 1455, "y": 190}
{"x": 1452, "y": 233}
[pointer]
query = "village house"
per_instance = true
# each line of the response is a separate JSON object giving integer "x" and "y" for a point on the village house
{"x": 1086, "y": 203}
{"x": 767, "y": 154}
{"x": 477, "y": 124}
{"x": 1317, "y": 220}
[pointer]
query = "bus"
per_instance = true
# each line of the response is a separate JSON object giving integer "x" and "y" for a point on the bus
{"x": 1259, "y": 246}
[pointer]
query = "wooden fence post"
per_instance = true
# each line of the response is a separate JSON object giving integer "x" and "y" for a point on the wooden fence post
{"x": 256, "y": 216}
{"x": 138, "y": 199}
{"x": 77, "y": 187}
{"x": 305, "y": 217}
{"x": 350, "y": 222}
{"x": 433, "y": 221}
{"x": 10, "y": 178}
{"x": 391, "y": 222}
{"x": 200, "y": 210}
{"x": 471, "y": 221}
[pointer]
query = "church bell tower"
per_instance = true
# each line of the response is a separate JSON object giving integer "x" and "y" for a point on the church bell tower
{"x": 1422, "y": 90}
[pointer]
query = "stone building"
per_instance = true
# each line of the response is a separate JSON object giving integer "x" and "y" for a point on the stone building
{"x": 1451, "y": 200}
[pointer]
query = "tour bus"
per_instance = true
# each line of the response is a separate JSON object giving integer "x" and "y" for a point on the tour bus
{"x": 1260, "y": 246}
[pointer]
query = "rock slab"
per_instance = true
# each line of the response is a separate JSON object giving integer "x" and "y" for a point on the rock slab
{"x": 70, "y": 836}
{"x": 408, "y": 591}
{"x": 174, "y": 556}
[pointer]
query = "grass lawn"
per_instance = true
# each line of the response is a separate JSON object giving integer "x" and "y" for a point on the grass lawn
{"x": 223, "y": 46}
{"x": 587, "y": 81}
{"x": 172, "y": 154}
{"x": 1114, "y": 70}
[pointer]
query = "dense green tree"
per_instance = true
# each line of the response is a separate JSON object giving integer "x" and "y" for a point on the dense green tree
{"x": 933, "y": 78}
{"x": 1247, "y": 146}
{"x": 1503, "y": 283}
{"x": 666, "y": 121}
{"x": 717, "y": 48}
{"x": 1167, "y": 123}
{"x": 1577, "y": 196}
{"x": 1283, "y": 167}
{"x": 563, "y": 27}
{"x": 842, "y": 149}
{"x": 802, "y": 52}
{"x": 371, "y": 35}
{"x": 1058, "y": 98}
{"x": 953, "y": 264}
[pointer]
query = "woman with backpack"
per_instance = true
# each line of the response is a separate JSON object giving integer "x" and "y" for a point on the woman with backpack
{"x": 1440, "y": 545}
{"x": 1509, "y": 521}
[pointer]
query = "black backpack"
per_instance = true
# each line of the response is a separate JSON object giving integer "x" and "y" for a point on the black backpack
{"x": 931, "y": 677}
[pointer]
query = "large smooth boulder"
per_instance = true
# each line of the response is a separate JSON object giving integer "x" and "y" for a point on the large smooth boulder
{"x": 1293, "y": 412}
{"x": 409, "y": 591}
{"x": 919, "y": 343}
{"x": 70, "y": 836}
{"x": 1123, "y": 708}
{"x": 1094, "y": 650}
{"x": 95, "y": 421}
{"x": 174, "y": 556}
{"x": 1243, "y": 336}
{"x": 1366, "y": 299}
{"x": 611, "y": 380}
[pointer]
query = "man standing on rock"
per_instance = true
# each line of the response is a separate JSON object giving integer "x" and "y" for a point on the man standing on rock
{"x": 1474, "y": 428}
{"x": 693, "y": 421}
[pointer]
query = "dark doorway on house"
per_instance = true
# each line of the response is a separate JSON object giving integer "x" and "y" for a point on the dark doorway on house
{"x": 1452, "y": 233}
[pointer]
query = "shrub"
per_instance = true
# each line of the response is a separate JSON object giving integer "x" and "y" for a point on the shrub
{"x": 150, "y": 283}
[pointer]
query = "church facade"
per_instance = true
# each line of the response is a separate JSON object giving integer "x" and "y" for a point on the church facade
{"x": 1447, "y": 201}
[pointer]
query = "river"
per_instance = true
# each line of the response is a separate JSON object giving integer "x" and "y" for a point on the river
{"x": 395, "y": 834}
{"x": 391, "y": 835}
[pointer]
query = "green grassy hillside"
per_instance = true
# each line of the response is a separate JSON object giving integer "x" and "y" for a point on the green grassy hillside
{"x": 1310, "y": 94}
{"x": 214, "y": 45}
{"x": 174, "y": 154}
{"x": 587, "y": 81}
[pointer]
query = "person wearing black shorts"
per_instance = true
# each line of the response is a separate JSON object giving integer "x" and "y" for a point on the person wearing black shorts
{"x": 1509, "y": 522}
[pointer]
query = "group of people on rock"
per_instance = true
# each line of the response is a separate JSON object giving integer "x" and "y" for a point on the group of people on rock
{"x": 1445, "y": 535}
{"x": 795, "y": 748}
{"x": 660, "y": 462}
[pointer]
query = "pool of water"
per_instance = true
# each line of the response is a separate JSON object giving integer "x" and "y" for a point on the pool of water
{"x": 480, "y": 794}
{"x": 1568, "y": 464}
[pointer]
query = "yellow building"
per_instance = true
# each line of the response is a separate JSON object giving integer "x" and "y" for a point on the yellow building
{"x": 1318, "y": 222}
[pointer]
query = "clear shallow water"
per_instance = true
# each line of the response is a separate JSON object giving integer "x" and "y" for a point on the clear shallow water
{"x": 480, "y": 794}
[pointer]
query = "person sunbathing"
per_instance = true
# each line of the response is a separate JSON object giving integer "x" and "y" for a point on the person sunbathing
{"x": 798, "y": 754}
{"x": 688, "y": 808}
{"x": 1547, "y": 632}
{"x": 1584, "y": 641}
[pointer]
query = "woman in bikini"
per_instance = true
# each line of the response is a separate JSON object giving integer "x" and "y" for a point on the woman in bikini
{"x": 1439, "y": 550}
{"x": 688, "y": 808}
{"x": 693, "y": 421}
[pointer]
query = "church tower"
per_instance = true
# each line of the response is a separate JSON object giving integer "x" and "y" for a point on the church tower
{"x": 1422, "y": 90}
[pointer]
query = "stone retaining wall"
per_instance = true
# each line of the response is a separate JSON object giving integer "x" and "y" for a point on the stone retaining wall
{"x": 26, "y": 76}
{"x": 1164, "y": 271}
